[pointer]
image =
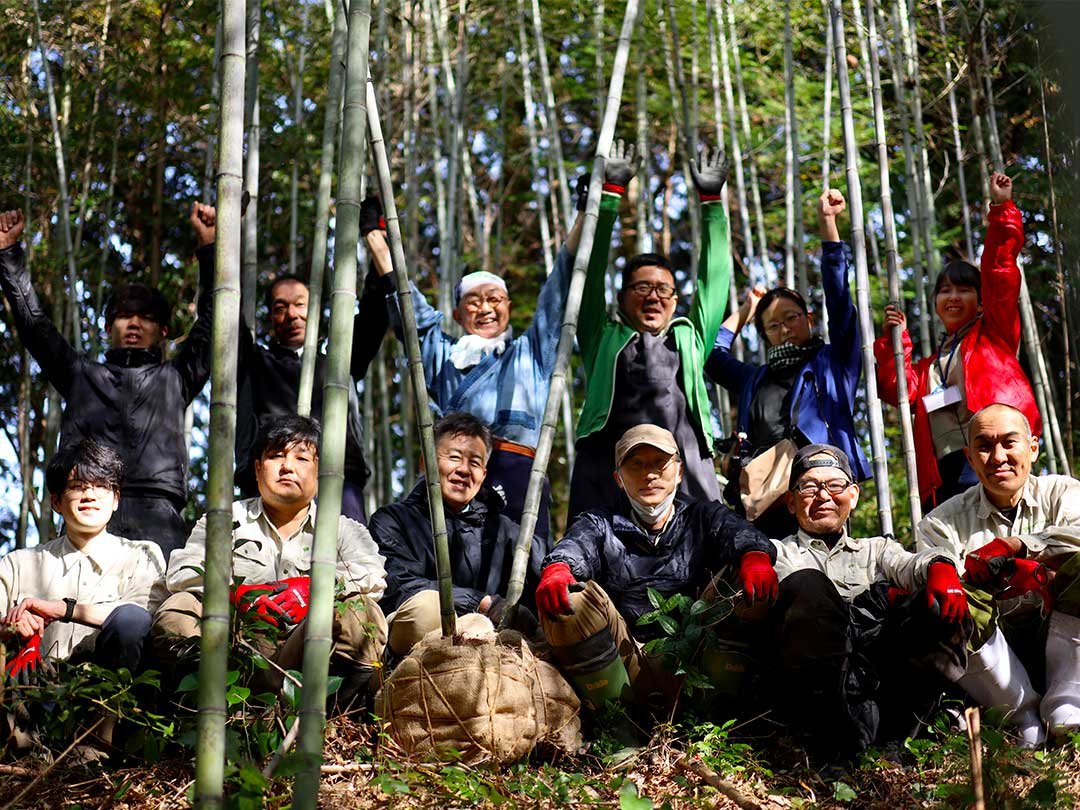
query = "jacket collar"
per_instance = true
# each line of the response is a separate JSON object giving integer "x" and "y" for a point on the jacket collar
{"x": 1027, "y": 498}
{"x": 805, "y": 541}
{"x": 101, "y": 551}
{"x": 486, "y": 500}
{"x": 132, "y": 358}
{"x": 629, "y": 530}
{"x": 285, "y": 351}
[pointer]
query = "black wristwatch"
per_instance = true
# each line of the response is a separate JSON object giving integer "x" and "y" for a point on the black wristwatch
{"x": 70, "y": 609}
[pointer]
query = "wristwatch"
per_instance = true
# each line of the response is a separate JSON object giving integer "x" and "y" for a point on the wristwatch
{"x": 70, "y": 609}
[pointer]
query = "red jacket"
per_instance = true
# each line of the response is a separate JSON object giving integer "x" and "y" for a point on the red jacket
{"x": 992, "y": 373}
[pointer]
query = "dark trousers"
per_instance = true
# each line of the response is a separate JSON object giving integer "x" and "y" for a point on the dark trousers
{"x": 849, "y": 674}
{"x": 157, "y": 519}
{"x": 508, "y": 472}
{"x": 122, "y": 638}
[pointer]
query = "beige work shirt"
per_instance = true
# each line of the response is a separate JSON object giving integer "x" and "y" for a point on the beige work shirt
{"x": 108, "y": 572}
{"x": 1047, "y": 521}
{"x": 261, "y": 554}
{"x": 854, "y": 563}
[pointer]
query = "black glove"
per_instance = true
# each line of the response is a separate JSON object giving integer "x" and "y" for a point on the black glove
{"x": 371, "y": 215}
{"x": 710, "y": 178}
{"x": 620, "y": 167}
{"x": 582, "y": 191}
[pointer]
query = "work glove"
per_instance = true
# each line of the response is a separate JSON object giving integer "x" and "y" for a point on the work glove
{"x": 286, "y": 599}
{"x": 1028, "y": 576}
{"x": 553, "y": 592}
{"x": 371, "y": 215}
{"x": 620, "y": 167}
{"x": 758, "y": 577}
{"x": 944, "y": 593}
{"x": 524, "y": 620}
{"x": 28, "y": 659}
{"x": 984, "y": 565}
{"x": 710, "y": 177}
{"x": 581, "y": 191}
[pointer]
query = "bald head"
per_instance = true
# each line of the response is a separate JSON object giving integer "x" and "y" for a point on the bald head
{"x": 1002, "y": 451}
{"x": 994, "y": 412}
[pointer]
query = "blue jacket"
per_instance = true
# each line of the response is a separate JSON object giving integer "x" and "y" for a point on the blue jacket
{"x": 825, "y": 415}
{"x": 508, "y": 391}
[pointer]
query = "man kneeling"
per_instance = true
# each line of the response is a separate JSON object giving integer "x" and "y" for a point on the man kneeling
{"x": 858, "y": 619}
{"x": 272, "y": 540}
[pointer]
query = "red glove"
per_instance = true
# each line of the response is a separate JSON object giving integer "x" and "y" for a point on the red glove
{"x": 758, "y": 577}
{"x": 27, "y": 660}
{"x": 553, "y": 592}
{"x": 291, "y": 598}
{"x": 944, "y": 593}
{"x": 253, "y": 599}
{"x": 1029, "y": 577}
{"x": 985, "y": 564}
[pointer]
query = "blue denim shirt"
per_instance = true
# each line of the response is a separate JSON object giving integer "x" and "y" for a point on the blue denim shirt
{"x": 509, "y": 390}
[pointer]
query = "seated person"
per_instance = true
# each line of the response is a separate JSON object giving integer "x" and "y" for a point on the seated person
{"x": 997, "y": 529}
{"x": 480, "y": 535}
{"x": 501, "y": 379}
{"x": 643, "y": 365}
{"x": 975, "y": 364}
{"x": 134, "y": 402}
{"x": 85, "y": 595}
{"x": 806, "y": 390}
{"x": 272, "y": 539}
{"x": 656, "y": 539}
{"x": 867, "y": 634}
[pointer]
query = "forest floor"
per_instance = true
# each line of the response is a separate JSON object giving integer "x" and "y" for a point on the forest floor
{"x": 707, "y": 767}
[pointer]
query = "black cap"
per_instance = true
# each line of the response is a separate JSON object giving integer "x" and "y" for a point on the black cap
{"x": 818, "y": 455}
{"x": 138, "y": 299}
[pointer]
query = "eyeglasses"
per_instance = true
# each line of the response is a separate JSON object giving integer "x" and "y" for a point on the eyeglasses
{"x": 790, "y": 321}
{"x": 643, "y": 289}
{"x": 637, "y": 466}
{"x": 810, "y": 488}
{"x": 477, "y": 302}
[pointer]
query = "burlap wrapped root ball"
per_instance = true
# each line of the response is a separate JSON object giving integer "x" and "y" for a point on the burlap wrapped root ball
{"x": 478, "y": 697}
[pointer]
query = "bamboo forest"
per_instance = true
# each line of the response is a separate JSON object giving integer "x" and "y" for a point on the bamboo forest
{"x": 687, "y": 389}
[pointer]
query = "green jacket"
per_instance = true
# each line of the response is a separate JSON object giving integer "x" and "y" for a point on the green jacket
{"x": 601, "y": 338}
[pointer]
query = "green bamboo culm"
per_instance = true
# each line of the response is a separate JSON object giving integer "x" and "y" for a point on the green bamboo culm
{"x": 319, "y": 625}
{"x": 416, "y": 369}
{"x": 334, "y": 87}
{"x": 214, "y": 645}
{"x": 531, "y": 508}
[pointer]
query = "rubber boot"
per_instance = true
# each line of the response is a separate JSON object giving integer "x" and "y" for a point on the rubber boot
{"x": 996, "y": 679}
{"x": 355, "y": 692}
{"x": 1061, "y": 704}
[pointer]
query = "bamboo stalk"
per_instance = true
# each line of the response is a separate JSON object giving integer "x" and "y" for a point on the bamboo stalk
{"x": 550, "y": 117}
{"x": 958, "y": 148}
{"x": 794, "y": 254}
{"x": 974, "y": 735}
{"x": 214, "y": 644}
{"x": 250, "y": 270}
{"x": 907, "y": 438}
{"x": 318, "y": 633}
{"x": 531, "y": 508}
{"x": 298, "y": 123}
{"x": 644, "y": 206}
{"x": 826, "y": 116}
{"x": 215, "y": 95}
{"x": 862, "y": 281}
{"x": 416, "y": 371}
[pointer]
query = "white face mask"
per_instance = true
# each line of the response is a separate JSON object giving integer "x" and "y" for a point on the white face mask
{"x": 650, "y": 514}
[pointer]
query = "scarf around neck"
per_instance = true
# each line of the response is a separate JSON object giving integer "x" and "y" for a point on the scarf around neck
{"x": 788, "y": 355}
{"x": 471, "y": 349}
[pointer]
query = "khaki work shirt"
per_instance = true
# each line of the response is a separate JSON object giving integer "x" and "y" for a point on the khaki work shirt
{"x": 109, "y": 571}
{"x": 1047, "y": 521}
{"x": 261, "y": 554}
{"x": 854, "y": 563}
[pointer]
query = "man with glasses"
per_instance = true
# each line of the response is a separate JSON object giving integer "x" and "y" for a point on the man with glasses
{"x": 480, "y": 535}
{"x": 865, "y": 634}
{"x": 644, "y": 364}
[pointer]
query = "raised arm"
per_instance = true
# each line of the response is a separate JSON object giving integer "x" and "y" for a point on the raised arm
{"x": 714, "y": 266}
{"x": 193, "y": 359}
{"x": 1000, "y": 273}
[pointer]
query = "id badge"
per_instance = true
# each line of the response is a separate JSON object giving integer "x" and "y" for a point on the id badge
{"x": 943, "y": 398}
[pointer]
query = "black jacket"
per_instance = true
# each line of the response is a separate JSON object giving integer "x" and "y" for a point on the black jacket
{"x": 612, "y": 550}
{"x": 133, "y": 402}
{"x": 269, "y": 384}
{"x": 481, "y": 543}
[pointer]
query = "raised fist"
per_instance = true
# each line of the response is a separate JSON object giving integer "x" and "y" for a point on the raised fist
{"x": 1001, "y": 188}
{"x": 710, "y": 177}
{"x": 11, "y": 227}
{"x": 895, "y": 318}
{"x": 620, "y": 167}
{"x": 831, "y": 203}
{"x": 204, "y": 223}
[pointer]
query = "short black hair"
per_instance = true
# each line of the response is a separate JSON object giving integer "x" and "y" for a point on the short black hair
{"x": 767, "y": 301}
{"x": 645, "y": 260}
{"x": 960, "y": 274}
{"x": 269, "y": 298}
{"x": 138, "y": 299}
{"x": 279, "y": 432}
{"x": 461, "y": 423}
{"x": 88, "y": 462}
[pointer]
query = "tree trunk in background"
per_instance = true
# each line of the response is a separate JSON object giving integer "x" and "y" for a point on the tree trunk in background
{"x": 534, "y": 141}
{"x": 250, "y": 271}
{"x": 551, "y": 122}
{"x": 445, "y": 303}
{"x": 301, "y": 151}
{"x": 644, "y": 205}
{"x": 958, "y": 148}
{"x": 215, "y": 91}
{"x": 95, "y": 105}
{"x": 794, "y": 253}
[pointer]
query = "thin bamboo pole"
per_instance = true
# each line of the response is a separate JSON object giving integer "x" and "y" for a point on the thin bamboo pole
{"x": 214, "y": 644}
{"x": 95, "y": 106}
{"x": 736, "y": 146}
{"x": 958, "y": 148}
{"x": 298, "y": 157}
{"x": 794, "y": 253}
{"x": 531, "y": 508}
{"x": 215, "y": 96}
{"x": 250, "y": 271}
{"x": 335, "y": 83}
{"x": 318, "y": 635}
{"x": 862, "y": 280}
{"x": 644, "y": 206}
{"x": 550, "y": 118}
{"x": 430, "y": 20}
{"x": 907, "y": 439}
{"x": 416, "y": 372}
{"x": 826, "y": 116}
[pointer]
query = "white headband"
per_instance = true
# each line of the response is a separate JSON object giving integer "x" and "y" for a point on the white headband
{"x": 473, "y": 280}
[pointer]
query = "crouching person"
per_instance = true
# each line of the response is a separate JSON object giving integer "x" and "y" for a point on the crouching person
{"x": 272, "y": 540}
{"x": 85, "y": 595}
{"x": 595, "y": 582}
{"x": 865, "y": 635}
{"x": 480, "y": 537}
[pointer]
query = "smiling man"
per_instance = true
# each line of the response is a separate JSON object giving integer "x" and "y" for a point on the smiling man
{"x": 480, "y": 535}
{"x": 134, "y": 402}
{"x": 272, "y": 540}
{"x": 1008, "y": 517}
